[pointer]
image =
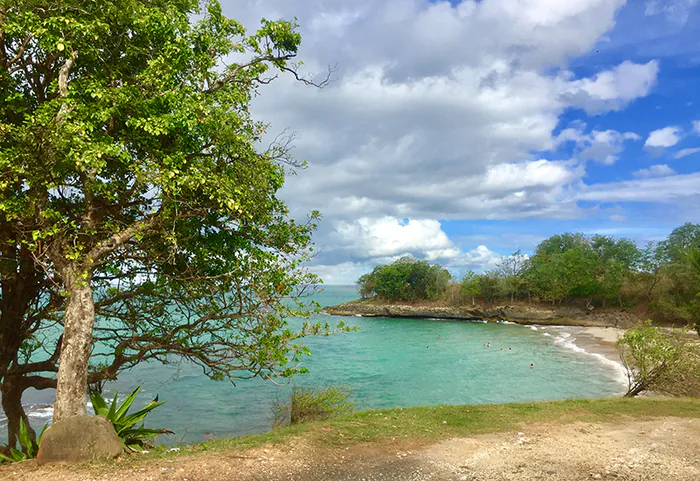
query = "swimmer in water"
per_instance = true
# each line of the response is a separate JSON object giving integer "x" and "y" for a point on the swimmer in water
{"x": 501, "y": 349}
{"x": 532, "y": 366}
{"x": 510, "y": 348}
{"x": 488, "y": 344}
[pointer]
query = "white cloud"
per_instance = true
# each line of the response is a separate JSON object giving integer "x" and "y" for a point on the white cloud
{"x": 388, "y": 238}
{"x": 613, "y": 89}
{"x": 696, "y": 126}
{"x": 665, "y": 189}
{"x": 676, "y": 11}
{"x": 666, "y": 137}
{"x": 686, "y": 152}
{"x": 659, "y": 170}
{"x": 372, "y": 241}
{"x": 435, "y": 112}
{"x": 345, "y": 273}
{"x": 601, "y": 146}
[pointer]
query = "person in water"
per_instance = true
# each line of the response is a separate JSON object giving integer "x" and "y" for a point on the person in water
{"x": 532, "y": 366}
{"x": 488, "y": 344}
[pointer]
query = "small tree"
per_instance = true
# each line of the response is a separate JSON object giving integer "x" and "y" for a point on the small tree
{"x": 659, "y": 361}
{"x": 470, "y": 286}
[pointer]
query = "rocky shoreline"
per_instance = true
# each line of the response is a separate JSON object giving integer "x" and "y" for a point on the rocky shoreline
{"x": 519, "y": 314}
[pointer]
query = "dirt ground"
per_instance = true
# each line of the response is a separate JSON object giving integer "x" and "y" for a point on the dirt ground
{"x": 657, "y": 449}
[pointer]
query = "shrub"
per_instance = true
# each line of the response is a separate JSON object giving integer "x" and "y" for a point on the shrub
{"x": 311, "y": 404}
{"x": 666, "y": 362}
{"x": 28, "y": 446}
{"x": 133, "y": 437}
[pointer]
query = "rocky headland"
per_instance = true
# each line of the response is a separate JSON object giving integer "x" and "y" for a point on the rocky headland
{"x": 517, "y": 313}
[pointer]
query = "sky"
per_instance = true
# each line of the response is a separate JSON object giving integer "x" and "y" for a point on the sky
{"x": 461, "y": 131}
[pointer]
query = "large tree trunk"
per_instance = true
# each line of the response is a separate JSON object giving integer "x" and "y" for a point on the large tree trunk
{"x": 12, "y": 405}
{"x": 71, "y": 388}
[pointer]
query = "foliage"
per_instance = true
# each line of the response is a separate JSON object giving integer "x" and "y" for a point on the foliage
{"x": 131, "y": 173}
{"x": 312, "y": 404}
{"x": 132, "y": 435}
{"x": 29, "y": 447}
{"x": 659, "y": 361}
{"x": 469, "y": 286}
{"x": 405, "y": 280}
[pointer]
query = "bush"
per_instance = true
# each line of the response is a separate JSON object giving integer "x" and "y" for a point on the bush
{"x": 311, "y": 404}
{"x": 665, "y": 362}
{"x": 133, "y": 437}
{"x": 28, "y": 447}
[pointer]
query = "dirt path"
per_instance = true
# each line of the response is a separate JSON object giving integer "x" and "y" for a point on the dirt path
{"x": 658, "y": 449}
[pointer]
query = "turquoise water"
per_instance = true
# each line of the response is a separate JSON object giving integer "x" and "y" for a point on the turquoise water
{"x": 387, "y": 363}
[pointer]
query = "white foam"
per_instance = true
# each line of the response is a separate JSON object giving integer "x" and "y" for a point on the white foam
{"x": 358, "y": 315}
{"x": 534, "y": 328}
{"x": 547, "y": 334}
{"x": 563, "y": 340}
{"x": 501, "y": 321}
{"x": 41, "y": 413}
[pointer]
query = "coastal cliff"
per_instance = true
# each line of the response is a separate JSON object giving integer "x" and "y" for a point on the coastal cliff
{"x": 520, "y": 314}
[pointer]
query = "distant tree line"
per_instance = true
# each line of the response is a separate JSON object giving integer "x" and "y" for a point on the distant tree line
{"x": 596, "y": 270}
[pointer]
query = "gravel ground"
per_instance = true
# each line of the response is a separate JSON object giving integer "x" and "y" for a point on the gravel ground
{"x": 657, "y": 449}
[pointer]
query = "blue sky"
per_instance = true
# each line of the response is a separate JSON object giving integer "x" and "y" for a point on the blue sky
{"x": 458, "y": 132}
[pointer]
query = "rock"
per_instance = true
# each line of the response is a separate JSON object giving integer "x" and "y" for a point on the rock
{"x": 79, "y": 438}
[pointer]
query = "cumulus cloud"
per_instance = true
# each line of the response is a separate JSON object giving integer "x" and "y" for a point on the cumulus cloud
{"x": 372, "y": 241}
{"x": 686, "y": 152}
{"x": 435, "y": 111}
{"x": 659, "y": 170}
{"x": 663, "y": 138}
{"x": 613, "y": 89}
{"x": 389, "y": 238}
{"x": 600, "y": 146}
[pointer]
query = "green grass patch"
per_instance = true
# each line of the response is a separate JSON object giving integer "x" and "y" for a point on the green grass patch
{"x": 443, "y": 422}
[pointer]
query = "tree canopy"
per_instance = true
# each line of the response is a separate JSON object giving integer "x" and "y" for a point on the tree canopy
{"x": 138, "y": 209}
{"x": 405, "y": 280}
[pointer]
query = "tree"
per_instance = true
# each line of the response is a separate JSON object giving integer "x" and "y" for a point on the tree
{"x": 681, "y": 238}
{"x": 659, "y": 361}
{"x": 366, "y": 286}
{"x": 138, "y": 211}
{"x": 622, "y": 251}
{"x": 560, "y": 243}
{"x": 692, "y": 258}
{"x": 510, "y": 270}
{"x": 407, "y": 279}
{"x": 470, "y": 285}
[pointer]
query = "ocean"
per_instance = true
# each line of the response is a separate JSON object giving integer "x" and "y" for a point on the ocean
{"x": 387, "y": 363}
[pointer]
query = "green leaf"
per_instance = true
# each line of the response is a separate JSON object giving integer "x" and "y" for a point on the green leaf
{"x": 124, "y": 407}
{"x": 99, "y": 404}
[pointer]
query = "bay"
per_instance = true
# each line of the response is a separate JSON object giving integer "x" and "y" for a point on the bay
{"x": 387, "y": 363}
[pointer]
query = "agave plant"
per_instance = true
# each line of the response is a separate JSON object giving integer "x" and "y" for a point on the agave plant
{"x": 133, "y": 437}
{"x": 28, "y": 447}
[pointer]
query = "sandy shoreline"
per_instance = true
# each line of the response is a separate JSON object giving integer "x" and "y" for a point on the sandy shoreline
{"x": 598, "y": 342}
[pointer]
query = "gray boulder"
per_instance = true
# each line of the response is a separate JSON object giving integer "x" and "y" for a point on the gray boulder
{"x": 79, "y": 438}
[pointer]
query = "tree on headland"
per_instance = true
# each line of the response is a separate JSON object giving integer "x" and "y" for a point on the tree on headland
{"x": 405, "y": 280}
{"x": 139, "y": 214}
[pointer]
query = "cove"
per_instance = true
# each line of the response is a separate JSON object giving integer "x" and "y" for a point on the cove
{"x": 387, "y": 363}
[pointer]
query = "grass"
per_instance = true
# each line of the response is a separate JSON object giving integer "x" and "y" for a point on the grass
{"x": 444, "y": 422}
